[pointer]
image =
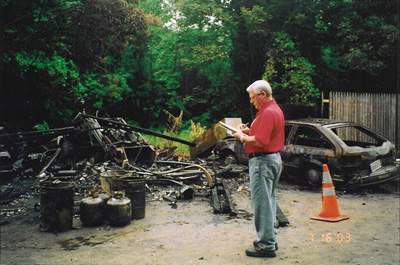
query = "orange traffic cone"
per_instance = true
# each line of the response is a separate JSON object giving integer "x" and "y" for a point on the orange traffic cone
{"x": 330, "y": 209}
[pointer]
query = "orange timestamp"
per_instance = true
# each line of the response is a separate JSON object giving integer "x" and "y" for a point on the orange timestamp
{"x": 338, "y": 237}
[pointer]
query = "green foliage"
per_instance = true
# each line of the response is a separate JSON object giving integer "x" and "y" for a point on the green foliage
{"x": 189, "y": 132}
{"x": 194, "y": 56}
{"x": 289, "y": 73}
{"x": 63, "y": 49}
{"x": 42, "y": 126}
{"x": 62, "y": 70}
{"x": 255, "y": 20}
{"x": 188, "y": 59}
{"x": 359, "y": 47}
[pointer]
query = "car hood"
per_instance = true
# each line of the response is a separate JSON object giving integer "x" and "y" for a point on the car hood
{"x": 372, "y": 151}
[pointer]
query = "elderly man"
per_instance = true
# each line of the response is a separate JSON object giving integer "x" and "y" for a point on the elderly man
{"x": 263, "y": 141}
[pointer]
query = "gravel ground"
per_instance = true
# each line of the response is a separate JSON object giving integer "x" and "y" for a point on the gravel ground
{"x": 192, "y": 234}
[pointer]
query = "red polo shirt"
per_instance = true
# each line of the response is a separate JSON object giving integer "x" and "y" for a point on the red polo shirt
{"x": 268, "y": 128}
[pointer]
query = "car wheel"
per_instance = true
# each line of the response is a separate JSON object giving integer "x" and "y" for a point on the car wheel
{"x": 313, "y": 176}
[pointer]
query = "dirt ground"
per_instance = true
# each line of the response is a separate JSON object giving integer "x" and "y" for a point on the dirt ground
{"x": 193, "y": 234}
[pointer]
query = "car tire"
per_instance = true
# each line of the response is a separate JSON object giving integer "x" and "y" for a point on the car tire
{"x": 313, "y": 176}
{"x": 229, "y": 158}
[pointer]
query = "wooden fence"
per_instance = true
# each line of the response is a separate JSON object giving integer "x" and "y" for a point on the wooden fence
{"x": 379, "y": 112}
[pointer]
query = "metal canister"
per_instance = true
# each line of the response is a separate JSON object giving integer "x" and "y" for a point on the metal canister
{"x": 119, "y": 209}
{"x": 105, "y": 197}
{"x": 92, "y": 209}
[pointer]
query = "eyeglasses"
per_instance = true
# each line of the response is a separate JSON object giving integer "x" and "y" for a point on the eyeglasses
{"x": 252, "y": 98}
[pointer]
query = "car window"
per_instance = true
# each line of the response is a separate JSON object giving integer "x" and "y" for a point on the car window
{"x": 308, "y": 136}
{"x": 288, "y": 128}
{"x": 358, "y": 136}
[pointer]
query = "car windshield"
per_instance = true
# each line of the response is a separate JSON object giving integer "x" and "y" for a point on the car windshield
{"x": 358, "y": 136}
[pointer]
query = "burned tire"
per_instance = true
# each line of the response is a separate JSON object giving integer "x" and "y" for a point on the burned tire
{"x": 229, "y": 158}
{"x": 313, "y": 176}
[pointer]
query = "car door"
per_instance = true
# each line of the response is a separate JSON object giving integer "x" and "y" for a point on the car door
{"x": 306, "y": 150}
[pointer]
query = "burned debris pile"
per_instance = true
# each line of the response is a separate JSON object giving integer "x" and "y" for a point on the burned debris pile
{"x": 102, "y": 157}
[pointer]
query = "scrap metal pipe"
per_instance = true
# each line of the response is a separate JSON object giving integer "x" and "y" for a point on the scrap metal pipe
{"x": 51, "y": 133}
{"x": 138, "y": 129}
{"x": 208, "y": 176}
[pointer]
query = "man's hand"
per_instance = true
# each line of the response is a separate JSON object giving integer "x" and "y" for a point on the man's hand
{"x": 239, "y": 136}
{"x": 244, "y": 128}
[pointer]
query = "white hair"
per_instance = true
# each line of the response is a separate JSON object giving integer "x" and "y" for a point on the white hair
{"x": 260, "y": 86}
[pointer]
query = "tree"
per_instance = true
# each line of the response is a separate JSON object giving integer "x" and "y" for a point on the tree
{"x": 188, "y": 58}
{"x": 136, "y": 58}
{"x": 289, "y": 73}
{"x": 359, "y": 42}
{"x": 57, "y": 53}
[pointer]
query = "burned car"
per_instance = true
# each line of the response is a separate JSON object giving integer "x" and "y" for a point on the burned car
{"x": 356, "y": 156}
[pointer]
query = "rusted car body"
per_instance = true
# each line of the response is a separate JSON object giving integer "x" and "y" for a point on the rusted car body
{"x": 356, "y": 156}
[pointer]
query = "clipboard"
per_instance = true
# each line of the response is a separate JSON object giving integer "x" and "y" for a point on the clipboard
{"x": 230, "y": 128}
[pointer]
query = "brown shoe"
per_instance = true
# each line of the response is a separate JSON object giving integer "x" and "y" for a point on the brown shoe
{"x": 259, "y": 252}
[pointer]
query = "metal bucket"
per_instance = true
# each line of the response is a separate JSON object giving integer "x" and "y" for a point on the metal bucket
{"x": 108, "y": 179}
{"x": 135, "y": 190}
{"x": 56, "y": 206}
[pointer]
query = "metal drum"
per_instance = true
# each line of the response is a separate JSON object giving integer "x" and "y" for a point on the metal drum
{"x": 135, "y": 190}
{"x": 56, "y": 205}
{"x": 108, "y": 179}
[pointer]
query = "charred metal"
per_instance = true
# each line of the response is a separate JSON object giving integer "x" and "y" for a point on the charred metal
{"x": 94, "y": 154}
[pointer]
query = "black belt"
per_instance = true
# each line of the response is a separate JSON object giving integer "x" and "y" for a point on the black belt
{"x": 261, "y": 154}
